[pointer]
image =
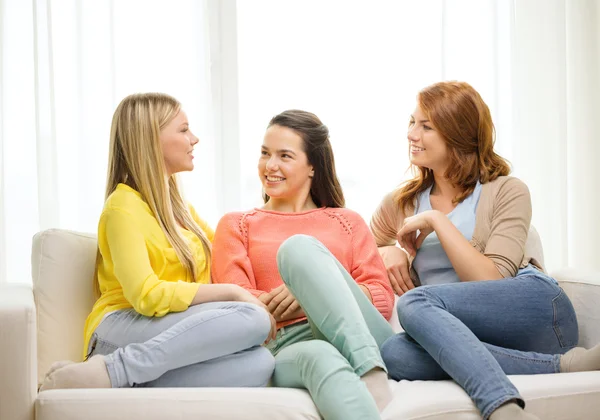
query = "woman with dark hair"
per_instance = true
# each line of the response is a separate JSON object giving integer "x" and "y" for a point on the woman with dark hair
{"x": 459, "y": 221}
{"x": 316, "y": 267}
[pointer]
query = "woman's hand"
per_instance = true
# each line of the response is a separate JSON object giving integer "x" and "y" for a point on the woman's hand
{"x": 396, "y": 264}
{"x": 282, "y": 304}
{"x": 242, "y": 295}
{"x": 423, "y": 222}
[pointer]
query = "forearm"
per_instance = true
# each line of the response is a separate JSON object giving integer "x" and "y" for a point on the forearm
{"x": 468, "y": 263}
{"x": 385, "y": 250}
{"x": 235, "y": 278}
{"x": 215, "y": 293}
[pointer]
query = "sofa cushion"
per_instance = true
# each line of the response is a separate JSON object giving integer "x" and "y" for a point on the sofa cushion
{"x": 63, "y": 271}
{"x": 582, "y": 287}
{"x": 573, "y": 396}
{"x": 176, "y": 403}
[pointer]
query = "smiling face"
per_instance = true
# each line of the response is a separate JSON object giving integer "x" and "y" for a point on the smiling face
{"x": 283, "y": 167}
{"x": 177, "y": 142}
{"x": 427, "y": 147}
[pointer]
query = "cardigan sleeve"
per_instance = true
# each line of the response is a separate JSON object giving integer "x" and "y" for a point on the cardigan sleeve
{"x": 510, "y": 220}
{"x": 386, "y": 221}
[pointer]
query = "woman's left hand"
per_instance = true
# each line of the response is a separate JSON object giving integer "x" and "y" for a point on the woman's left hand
{"x": 407, "y": 235}
{"x": 281, "y": 303}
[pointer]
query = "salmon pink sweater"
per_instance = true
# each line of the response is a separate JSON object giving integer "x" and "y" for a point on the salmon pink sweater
{"x": 245, "y": 249}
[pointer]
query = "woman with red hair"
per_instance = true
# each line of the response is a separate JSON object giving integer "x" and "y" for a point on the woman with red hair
{"x": 459, "y": 221}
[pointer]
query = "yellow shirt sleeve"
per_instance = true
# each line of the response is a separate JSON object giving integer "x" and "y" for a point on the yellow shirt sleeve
{"x": 122, "y": 242}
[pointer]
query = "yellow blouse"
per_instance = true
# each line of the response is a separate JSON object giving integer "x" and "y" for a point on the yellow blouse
{"x": 138, "y": 267}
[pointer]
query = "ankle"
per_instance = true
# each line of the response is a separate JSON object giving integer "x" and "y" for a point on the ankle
{"x": 377, "y": 384}
{"x": 511, "y": 411}
{"x": 580, "y": 360}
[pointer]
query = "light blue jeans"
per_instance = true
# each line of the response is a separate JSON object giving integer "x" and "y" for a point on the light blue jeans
{"x": 478, "y": 332}
{"x": 341, "y": 340}
{"x": 216, "y": 344}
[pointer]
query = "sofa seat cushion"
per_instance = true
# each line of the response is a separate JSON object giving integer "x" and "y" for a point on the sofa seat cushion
{"x": 572, "y": 396}
{"x": 561, "y": 396}
{"x": 176, "y": 403}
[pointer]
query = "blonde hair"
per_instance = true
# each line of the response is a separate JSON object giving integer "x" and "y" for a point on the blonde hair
{"x": 462, "y": 118}
{"x": 136, "y": 159}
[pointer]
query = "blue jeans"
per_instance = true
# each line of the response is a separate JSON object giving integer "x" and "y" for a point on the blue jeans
{"x": 216, "y": 344}
{"x": 478, "y": 332}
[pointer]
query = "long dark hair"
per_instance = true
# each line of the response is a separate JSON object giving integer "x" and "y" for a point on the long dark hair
{"x": 325, "y": 189}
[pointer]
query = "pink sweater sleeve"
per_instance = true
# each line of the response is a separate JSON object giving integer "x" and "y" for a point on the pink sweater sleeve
{"x": 230, "y": 261}
{"x": 368, "y": 268}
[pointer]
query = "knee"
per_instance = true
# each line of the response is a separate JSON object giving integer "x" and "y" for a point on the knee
{"x": 394, "y": 358}
{"x": 314, "y": 358}
{"x": 413, "y": 301}
{"x": 263, "y": 365}
{"x": 258, "y": 322}
{"x": 294, "y": 250}
{"x": 405, "y": 359}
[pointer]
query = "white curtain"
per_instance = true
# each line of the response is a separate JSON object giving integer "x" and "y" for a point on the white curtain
{"x": 359, "y": 66}
{"x": 64, "y": 67}
{"x": 554, "y": 137}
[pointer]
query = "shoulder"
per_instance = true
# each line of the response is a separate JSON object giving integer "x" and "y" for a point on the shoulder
{"x": 390, "y": 208}
{"x": 234, "y": 220}
{"x": 507, "y": 194}
{"x": 350, "y": 220}
{"x": 344, "y": 212}
{"x": 192, "y": 210}
{"x": 127, "y": 200}
{"x": 505, "y": 188}
{"x": 389, "y": 201}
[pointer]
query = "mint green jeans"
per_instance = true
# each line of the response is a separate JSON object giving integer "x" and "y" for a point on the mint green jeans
{"x": 341, "y": 340}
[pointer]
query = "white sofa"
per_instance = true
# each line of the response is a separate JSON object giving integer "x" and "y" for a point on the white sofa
{"x": 44, "y": 324}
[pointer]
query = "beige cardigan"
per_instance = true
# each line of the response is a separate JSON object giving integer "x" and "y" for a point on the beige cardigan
{"x": 501, "y": 225}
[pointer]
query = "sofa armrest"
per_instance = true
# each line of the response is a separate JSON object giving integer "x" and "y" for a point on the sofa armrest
{"x": 18, "y": 364}
{"x": 583, "y": 288}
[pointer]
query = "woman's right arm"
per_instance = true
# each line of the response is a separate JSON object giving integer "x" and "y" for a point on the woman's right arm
{"x": 122, "y": 242}
{"x": 231, "y": 265}
{"x": 230, "y": 261}
{"x": 385, "y": 223}
{"x": 125, "y": 247}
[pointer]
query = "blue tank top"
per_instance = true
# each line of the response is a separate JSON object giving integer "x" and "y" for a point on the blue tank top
{"x": 431, "y": 262}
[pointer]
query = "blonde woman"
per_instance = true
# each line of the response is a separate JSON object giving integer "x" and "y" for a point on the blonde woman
{"x": 158, "y": 322}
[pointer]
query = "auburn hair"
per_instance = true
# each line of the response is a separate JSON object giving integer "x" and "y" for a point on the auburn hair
{"x": 462, "y": 118}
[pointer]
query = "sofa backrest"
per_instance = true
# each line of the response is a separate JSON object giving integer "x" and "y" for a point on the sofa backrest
{"x": 533, "y": 246}
{"x": 63, "y": 271}
{"x": 62, "y": 265}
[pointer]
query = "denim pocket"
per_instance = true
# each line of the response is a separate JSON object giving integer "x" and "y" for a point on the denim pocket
{"x": 565, "y": 321}
{"x": 101, "y": 346}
